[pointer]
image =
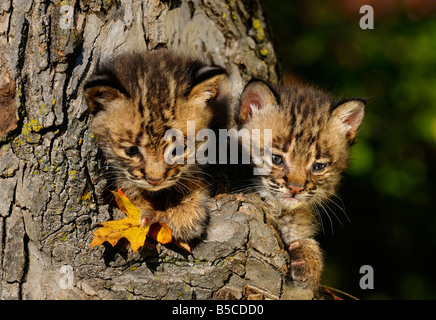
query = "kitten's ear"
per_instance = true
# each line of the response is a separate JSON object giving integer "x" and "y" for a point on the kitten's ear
{"x": 100, "y": 91}
{"x": 98, "y": 98}
{"x": 255, "y": 96}
{"x": 351, "y": 113}
{"x": 207, "y": 84}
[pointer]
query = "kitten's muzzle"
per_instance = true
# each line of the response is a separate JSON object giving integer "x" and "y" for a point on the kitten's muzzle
{"x": 295, "y": 188}
{"x": 155, "y": 182}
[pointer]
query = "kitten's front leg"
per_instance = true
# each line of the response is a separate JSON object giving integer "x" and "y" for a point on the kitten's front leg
{"x": 306, "y": 263}
{"x": 148, "y": 217}
{"x": 297, "y": 228}
{"x": 148, "y": 214}
{"x": 188, "y": 219}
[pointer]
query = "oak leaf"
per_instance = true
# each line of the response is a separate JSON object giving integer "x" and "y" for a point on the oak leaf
{"x": 130, "y": 227}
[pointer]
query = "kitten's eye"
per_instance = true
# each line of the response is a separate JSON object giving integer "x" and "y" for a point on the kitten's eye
{"x": 131, "y": 151}
{"x": 318, "y": 167}
{"x": 277, "y": 159}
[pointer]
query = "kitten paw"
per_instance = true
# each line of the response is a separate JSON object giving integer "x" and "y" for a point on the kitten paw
{"x": 306, "y": 265}
{"x": 147, "y": 219}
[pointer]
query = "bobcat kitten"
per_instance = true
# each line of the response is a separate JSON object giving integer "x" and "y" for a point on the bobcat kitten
{"x": 136, "y": 99}
{"x": 311, "y": 139}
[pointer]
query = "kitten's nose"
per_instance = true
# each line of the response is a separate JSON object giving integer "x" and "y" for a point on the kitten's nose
{"x": 155, "y": 182}
{"x": 295, "y": 188}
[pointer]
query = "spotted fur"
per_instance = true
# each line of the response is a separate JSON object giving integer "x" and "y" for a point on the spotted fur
{"x": 311, "y": 138}
{"x": 136, "y": 98}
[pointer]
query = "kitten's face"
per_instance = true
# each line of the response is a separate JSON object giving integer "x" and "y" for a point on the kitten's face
{"x": 305, "y": 167}
{"x": 132, "y": 127}
{"x": 310, "y": 141}
{"x": 136, "y": 147}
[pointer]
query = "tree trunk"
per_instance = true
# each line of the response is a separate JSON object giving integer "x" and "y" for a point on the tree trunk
{"x": 51, "y": 192}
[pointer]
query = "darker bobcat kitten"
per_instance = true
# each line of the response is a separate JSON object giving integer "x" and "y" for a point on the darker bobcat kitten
{"x": 311, "y": 138}
{"x": 136, "y": 99}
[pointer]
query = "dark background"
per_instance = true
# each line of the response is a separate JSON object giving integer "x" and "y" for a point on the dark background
{"x": 389, "y": 192}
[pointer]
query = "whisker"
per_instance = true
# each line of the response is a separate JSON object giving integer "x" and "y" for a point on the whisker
{"x": 180, "y": 186}
{"x": 329, "y": 197}
{"x": 318, "y": 215}
{"x": 320, "y": 204}
{"x": 250, "y": 189}
{"x": 341, "y": 208}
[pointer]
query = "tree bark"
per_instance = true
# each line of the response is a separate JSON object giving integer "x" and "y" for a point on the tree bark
{"x": 51, "y": 190}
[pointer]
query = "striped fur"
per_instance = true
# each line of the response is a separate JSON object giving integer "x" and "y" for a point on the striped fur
{"x": 311, "y": 138}
{"x": 136, "y": 98}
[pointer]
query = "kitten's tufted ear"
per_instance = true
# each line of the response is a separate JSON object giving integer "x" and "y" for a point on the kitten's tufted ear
{"x": 101, "y": 90}
{"x": 207, "y": 84}
{"x": 256, "y": 95}
{"x": 351, "y": 113}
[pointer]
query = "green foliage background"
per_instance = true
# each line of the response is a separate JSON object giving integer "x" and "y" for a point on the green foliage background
{"x": 389, "y": 192}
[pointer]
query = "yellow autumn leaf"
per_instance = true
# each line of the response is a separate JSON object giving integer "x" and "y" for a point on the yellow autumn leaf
{"x": 130, "y": 227}
{"x": 183, "y": 245}
{"x": 160, "y": 232}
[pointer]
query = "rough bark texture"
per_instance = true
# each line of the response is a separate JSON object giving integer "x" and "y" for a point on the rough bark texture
{"x": 51, "y": 195}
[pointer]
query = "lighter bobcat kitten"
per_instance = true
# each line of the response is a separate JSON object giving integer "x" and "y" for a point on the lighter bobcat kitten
{"x": 136, "y": 99}
{"x": 311, "y": 138}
